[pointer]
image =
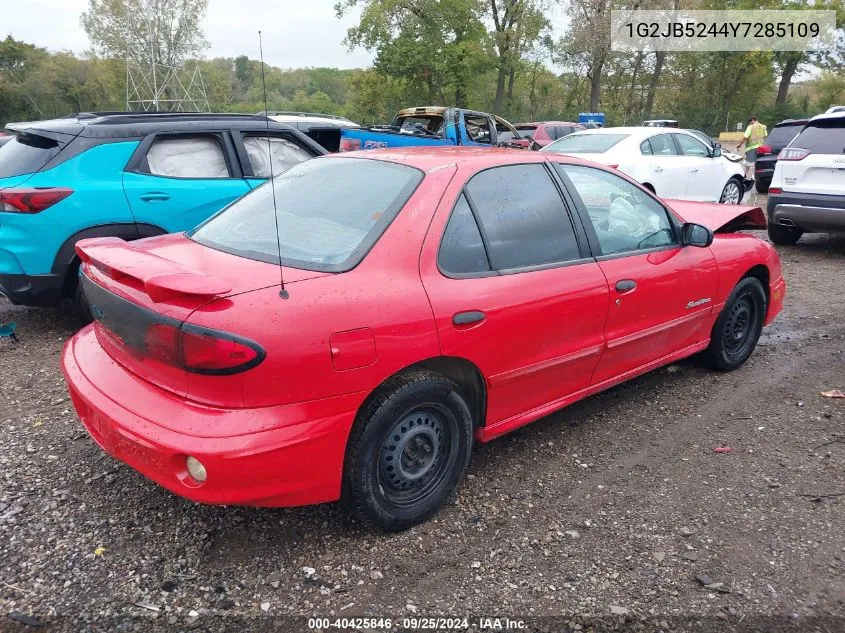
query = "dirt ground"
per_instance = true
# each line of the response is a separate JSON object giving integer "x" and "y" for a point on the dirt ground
{"x": 611, "y": 513}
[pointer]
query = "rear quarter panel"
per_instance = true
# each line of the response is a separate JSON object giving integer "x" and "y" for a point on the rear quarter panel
{"x": 98, "y": 198}
{"x": 337, "y": 334}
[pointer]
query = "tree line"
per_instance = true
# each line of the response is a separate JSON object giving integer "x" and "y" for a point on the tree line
{"x": 492, "y": 55}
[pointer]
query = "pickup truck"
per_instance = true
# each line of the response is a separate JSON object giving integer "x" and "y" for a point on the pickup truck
{"x": 434, "y": 126}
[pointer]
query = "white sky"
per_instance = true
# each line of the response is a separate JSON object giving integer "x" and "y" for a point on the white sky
{"x": 296, "y": 33}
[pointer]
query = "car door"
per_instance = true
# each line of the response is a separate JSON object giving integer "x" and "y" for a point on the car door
{"x": 665, "y": 169}
{"x": 262, "y": 154}
{"x": 514, "y": 290}
{"x": 176, "y": 181}
{"x": 706, "y": 173}
{"x": 661, "y": 292}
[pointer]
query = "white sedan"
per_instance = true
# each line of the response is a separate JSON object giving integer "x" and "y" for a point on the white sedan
{"x": 673, "y": 164}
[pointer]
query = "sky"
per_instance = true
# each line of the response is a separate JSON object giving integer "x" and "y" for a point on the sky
{"x": 296, "y": 33}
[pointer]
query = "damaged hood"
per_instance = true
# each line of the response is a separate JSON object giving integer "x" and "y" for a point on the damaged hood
{"x": 719, "y": 218}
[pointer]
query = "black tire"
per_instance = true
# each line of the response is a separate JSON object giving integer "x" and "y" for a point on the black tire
{"x": 393, "y": 484}
{"x": 80, "y": 311}
{"x": 783, "y": 235}
{"x": 727, "y": 191}
{"x": 761, "y": 186}
{"x": 737, "y": 330}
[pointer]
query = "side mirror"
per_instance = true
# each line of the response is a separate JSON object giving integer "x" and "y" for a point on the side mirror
{"x": 696, "y": 235}
{"x": 717, "y": 145}
{"x": 717, "y": 151}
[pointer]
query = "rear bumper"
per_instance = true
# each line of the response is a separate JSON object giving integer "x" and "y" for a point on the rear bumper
{"x": 809, "y": 212}
{"x": 32, "y": 290}
{"x": 280, "y": 456}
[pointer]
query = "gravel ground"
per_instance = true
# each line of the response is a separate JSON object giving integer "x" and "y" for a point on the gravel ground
{"x": 611, "y": 513}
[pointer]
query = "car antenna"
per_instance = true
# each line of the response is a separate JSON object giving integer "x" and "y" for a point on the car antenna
{"x": 283, "y": 293}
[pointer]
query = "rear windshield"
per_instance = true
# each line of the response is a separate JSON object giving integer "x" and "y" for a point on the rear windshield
{"x": 780, "y": 136}
{"x": 423, "y": 124}
{"x": 527, "y": 131}
{"x": 585, "y": 143}
{"x": 826, "y": 136}
{"x": 330, "y": 212}
{"x": 26, "y": 154}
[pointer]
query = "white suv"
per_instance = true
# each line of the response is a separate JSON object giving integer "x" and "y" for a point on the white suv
{"x": 807, "y": 194}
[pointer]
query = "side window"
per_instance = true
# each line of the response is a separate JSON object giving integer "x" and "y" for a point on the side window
{"x": 283, "y": 153}
{"x": 524, "y": 220}
{"x": 691, "y": 146}
{"x": 478, "y": 128}
{"x": 624, "y": 217}
{"x": 187, "y": 157}
{"x": 662, "y": 145}
{"x": 645, "y": 148}
{"x": 462, "y": 249}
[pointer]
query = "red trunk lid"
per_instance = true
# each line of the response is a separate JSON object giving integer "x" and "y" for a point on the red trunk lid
{"x": 140, "y": 293}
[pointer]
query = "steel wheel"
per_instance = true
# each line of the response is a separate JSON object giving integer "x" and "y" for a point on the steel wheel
{"x": 731, "y": 194}
{"x": 740, "y": 326}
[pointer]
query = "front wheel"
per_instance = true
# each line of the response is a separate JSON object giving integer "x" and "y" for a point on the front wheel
{"x": 732, "y": 192}
{"x": 408, "y": 449}
{"x": 737, "y": 330}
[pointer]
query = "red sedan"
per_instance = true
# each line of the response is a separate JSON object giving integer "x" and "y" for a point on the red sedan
{"x": 430, "y": 299}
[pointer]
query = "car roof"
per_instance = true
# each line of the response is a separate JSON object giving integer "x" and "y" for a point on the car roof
{"x": 635, "y": 131}
{"x": 516, "y": 125}
{"x": 430, "y": 159}
{"x": 828, "y": 116}
{"x": 138, "y": 124}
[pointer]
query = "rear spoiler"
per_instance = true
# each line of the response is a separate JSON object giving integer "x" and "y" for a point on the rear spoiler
{"x": 161, "y": 278}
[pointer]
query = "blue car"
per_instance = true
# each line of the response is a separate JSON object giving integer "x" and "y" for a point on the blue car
{"x": 128, "y": 175}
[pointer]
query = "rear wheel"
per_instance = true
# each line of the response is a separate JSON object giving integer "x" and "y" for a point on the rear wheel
{"x": 783, "y": 235}
{"x": 732, "y": 192}
{"x": 80, "y": 311}
{"x": 761, "y": 186}
{"x": 737, "y": 330}
{"x": 408, "y": 449}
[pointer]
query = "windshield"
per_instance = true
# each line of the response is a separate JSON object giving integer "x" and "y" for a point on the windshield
{"x": 26, "y": 154}
{"x": 330, "y": 212}
{"x": 584, "y": 143}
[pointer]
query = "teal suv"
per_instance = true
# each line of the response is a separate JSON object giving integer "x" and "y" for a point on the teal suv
{"x": 128, "y": 175}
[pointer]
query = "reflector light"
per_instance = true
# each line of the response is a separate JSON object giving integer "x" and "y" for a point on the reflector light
{"x": 350, "y": 144}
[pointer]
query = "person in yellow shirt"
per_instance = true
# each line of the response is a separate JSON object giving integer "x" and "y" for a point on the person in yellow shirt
{"x": 755, "y": 135}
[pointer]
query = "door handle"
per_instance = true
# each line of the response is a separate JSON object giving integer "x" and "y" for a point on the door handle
{"x": 694, "y": 170}
{"x": 153, "y": 196}
{"x": 625, "y": 285}
{"x": 469, "y": 317}
{"x": 657, "y": 170}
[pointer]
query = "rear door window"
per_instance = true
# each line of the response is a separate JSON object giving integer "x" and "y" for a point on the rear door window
{"x": 523, "y": 217}
{"x": 281, "y": 152}
{"x": 26, "y": 154}
{"x": 327, "y": 214}
{"x": 826, "y": 136}
{"x": 199, "y": 156}
{"x": 462, "y": 250}
{"x": 662, "y": 145}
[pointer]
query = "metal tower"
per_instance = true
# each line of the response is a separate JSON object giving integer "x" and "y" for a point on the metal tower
{"x": 153, "y": 85}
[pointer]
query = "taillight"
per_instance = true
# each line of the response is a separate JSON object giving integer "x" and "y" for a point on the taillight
{"x": 775, "y": 190}
{"x": 31, "y": 199}
{"x": 793, "y": 153}
{"x": 206, "y": 351}
{"x": 195, "y": 349}
{"x": 763, "y": 150}
{"x": 350, "y": 144}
